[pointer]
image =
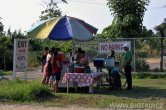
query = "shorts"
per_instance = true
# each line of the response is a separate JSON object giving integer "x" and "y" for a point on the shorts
{"x": 56, "y": 76}
{"x": 46, "y": 72}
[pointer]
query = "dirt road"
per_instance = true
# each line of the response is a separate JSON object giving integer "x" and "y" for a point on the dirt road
{"x": 32, "y": 107}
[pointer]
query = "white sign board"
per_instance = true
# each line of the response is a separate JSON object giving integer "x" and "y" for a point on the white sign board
{"x": 106, "y": 47}
{"x": 20, "y": 55}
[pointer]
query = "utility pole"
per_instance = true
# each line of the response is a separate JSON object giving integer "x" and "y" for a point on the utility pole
{"x": 161, "y": 48}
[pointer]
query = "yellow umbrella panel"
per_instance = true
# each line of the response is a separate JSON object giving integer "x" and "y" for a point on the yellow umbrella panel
{"x": 42, "y": 31}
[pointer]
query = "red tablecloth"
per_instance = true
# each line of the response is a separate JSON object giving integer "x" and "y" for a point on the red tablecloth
{"x": 82, "y": 79}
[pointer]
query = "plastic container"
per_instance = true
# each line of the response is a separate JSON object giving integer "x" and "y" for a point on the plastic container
{"x": 99, "y": 62}
{"x": 109, "y": 62}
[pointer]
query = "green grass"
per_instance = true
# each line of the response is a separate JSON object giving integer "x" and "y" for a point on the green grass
{"x": 23, "y": 91}
{"x": 149, "y": 91}
{"x": 7, "y": 72}
{"x": 144, "y": 91}
{"x": 149, "y": 76}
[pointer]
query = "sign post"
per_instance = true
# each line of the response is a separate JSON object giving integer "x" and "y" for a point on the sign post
{"x": 20, "y": 57}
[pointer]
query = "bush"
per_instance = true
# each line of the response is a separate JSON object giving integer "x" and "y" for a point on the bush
{"x": 24, "y": 91}
{"x": 8, "y": 72}
{"x": 141, "y": 53}
{"x": 142, "y": 65}
{"x": 34, "y": 59}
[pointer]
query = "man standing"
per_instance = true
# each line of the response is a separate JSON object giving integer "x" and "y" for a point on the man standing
{"x": 127, "y": 60}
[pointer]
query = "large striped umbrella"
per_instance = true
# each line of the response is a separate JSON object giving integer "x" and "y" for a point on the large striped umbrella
{"x": 63, "y": 28}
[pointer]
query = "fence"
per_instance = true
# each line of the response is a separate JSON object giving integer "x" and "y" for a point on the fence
{"x": 149, "y": 54}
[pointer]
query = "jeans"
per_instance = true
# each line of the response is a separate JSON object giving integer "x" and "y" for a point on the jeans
{"x": 128, "y": 76}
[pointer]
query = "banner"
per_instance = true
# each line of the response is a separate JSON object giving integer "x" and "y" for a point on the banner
{"x": 106, "y": 47}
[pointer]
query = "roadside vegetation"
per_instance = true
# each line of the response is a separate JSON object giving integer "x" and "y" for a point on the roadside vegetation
{"x": 145, "y": 91}
{"x": 21, "y": 91}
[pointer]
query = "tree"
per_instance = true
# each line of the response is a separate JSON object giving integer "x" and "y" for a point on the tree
{"x": 147, "y": 34}
{"x": 152, "y": 41}
{"x": 18, "y": 34}
{"x": 111, "y": 31}
{"x": 6, "y": 50}
{"x": 160, "y": 27}
{"x": 161, "y": 31}
{"x": 9, "y": 32}
{"x": 128, "y": 18}
{"x": 1, "y": 27}
{"x": 51, "y": 9}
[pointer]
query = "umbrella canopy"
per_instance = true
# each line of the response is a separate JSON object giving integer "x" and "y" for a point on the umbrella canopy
{"x": 63, "y": 28}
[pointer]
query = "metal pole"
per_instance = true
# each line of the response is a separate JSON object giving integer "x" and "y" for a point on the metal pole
{"x": 73, "y": 46}
{"x": 4, "y": 58}
{"x": 134, "y": 55}
{"x": 14, "y": 60}
{"x": 161, "y": 54}
{"x": 161, "y": 48}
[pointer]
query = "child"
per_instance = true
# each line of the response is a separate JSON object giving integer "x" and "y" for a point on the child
{"x": 66, "y": 63}
{"x": 43, "y": 60}
{"x": 115, "y": 77}
{"x": 56, "y": 70}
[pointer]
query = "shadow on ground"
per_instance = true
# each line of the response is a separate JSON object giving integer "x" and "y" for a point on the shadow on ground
{"x": 136, "y": 92}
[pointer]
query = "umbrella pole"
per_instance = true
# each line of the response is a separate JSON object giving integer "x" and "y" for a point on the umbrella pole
{"x": 72, "y": 48}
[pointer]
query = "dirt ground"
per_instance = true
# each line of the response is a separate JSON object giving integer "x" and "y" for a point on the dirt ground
{"x": 32, "y": 107}
{"x": 153, "y": 62}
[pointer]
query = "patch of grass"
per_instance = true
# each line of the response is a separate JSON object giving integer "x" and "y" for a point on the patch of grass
{"x": 7, "y": 72}
{"x": 24, "y": 91}
{"x": 149, "y": 76}
{"x": 151, "y": 91}
{"x": 148, "y": 91}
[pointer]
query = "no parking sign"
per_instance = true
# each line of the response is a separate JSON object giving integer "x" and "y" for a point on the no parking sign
{"x": 106, "y": 47}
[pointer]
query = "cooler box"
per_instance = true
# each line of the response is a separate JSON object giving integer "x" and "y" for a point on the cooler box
{"x": 109, "y": 62}
{"x": 99, "y": 62}
{"x": 79, "y": 69}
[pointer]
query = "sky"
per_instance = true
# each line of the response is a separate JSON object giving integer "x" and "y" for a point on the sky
{"x": 21, "y": 14}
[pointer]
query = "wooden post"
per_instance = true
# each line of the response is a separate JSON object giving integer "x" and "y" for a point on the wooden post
{"x": 67, "y": 86}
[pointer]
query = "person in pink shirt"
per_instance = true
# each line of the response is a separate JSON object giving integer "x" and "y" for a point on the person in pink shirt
{"x": 48, "y": 67}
